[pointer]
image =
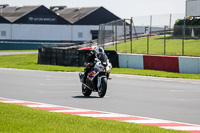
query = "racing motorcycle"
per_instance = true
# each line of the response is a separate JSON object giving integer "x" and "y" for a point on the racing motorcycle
{"x": 96, "y": 80}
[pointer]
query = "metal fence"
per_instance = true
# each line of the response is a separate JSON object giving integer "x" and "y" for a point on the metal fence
{"x": 150, "y": 35}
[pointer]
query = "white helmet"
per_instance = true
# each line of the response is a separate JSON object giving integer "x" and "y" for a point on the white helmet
{"x": 99, "y": 51}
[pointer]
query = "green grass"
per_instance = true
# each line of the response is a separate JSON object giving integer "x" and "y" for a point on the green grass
{"x": 153, "y": 73}
{"x": 29, "y": 61}
{"x": 156, "y": 46}
{"x": 21, "y": 119}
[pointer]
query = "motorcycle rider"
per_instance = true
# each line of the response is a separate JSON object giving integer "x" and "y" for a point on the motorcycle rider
{"x": 96, "y": 53}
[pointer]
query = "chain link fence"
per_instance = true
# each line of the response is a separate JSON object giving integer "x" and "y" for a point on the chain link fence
{"x": 151, "y": 35}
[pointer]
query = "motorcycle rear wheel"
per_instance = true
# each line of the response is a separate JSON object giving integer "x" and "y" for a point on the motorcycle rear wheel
{"x": 86, "y": 91}
{"x": 103, "y": 88}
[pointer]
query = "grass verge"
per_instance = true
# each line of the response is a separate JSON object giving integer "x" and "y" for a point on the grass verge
{"x": 156, "y": 46}
{"x": 15, "y": 118}
{"x": 29, "y": 61}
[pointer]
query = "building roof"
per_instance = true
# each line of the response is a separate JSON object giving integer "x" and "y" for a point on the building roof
{"x": 12, "y": 13}
{"x": 75, "y": 14}
{"x": 85, "y": 15}
{"x": 32, "y": 15}
{"x": 56, "y": 15}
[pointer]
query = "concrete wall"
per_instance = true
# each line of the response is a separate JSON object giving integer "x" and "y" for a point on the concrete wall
{"x": 190, "y": 65}
{"x": 131, "y": 61}
{"x": 182, "y": 64}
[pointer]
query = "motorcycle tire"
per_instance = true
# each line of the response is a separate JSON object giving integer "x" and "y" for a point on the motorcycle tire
{"x": 103, "y": 88}
{"x": 86, "y": 91}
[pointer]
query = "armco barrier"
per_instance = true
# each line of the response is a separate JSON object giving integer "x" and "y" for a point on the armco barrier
{"x": 131, "y": 61}
{"x": 190, "y": 65}
{"x": 162, "y": 63}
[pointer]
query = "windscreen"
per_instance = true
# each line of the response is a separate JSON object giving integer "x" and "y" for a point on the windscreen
{"x": 103, "y": 58}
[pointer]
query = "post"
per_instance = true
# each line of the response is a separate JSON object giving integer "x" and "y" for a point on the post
{"x": 183, "y": 37}
{"x": 147, "y": 43}
{"x": 103, "y": 35}
{"x": 124, "y": 30}
{"x": 99, "y": 36}
{"x": 165, "y": 39}
{"x": 116, "y": 37}
{"x": 150, "y": 24}
{"x": 113, "y": 33}
{"x": 170, "y": 22}
{"x": 131, "y": 32}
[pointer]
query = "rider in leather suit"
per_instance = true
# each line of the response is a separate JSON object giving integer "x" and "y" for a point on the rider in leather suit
{"x": 96, "y": 53}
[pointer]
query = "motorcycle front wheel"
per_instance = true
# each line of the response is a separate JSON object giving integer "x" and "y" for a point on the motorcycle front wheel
{"x": 103, "y": 88}
{"x": 86, "y": 91}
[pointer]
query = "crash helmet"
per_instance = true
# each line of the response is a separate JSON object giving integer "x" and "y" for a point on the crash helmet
{"x": 99, "y": 51}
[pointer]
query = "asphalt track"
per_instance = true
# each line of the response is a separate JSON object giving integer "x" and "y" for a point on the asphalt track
{"x": 161, "y": 98}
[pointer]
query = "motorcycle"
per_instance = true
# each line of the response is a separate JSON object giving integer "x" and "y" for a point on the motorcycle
{"x": 96, "y": 80}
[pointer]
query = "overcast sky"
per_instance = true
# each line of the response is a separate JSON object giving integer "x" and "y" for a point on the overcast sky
{"x": 121, "y": 8}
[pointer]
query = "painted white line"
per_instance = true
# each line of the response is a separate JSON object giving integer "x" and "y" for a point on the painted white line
{"x": 76, "y": 110}
{"x": 17, "y": 101}
{"x": 146, "y": 121}
{"x": 103, "y": 115}
{"x": 185, "y": 128}
{"x": 40, "y": 106}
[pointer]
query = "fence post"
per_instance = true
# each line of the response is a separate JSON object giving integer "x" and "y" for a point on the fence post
{"x": 99, "y": 35}
{"x": 104, "y": 28}
{"x": 131, "y": 32}
{"x": 113, "y": 33}
{"x": 165, "y": 39}
{"x": 116, "y": 37}
{"x": 170, "y": 22}
{"x": 150, "y": 25}
{"x": 124, "y": 30}
{"x": 147, "y": 43}
{"x": 183, "y": 37}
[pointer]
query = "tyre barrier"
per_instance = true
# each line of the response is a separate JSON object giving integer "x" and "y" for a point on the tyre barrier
{"x": 69, "y": 56}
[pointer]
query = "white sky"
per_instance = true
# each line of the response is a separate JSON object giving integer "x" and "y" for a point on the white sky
{"x": 121, "y": 8}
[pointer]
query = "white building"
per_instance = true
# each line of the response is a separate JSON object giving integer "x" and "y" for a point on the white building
{"x": 59, "y": 24}
{"x": 193, "y": 8}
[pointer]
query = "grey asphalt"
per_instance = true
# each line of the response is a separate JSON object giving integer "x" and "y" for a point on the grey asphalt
{"x": 161, "y": 98}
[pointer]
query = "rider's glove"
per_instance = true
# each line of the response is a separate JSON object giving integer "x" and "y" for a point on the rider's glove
{"x": 88, "y": 65}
